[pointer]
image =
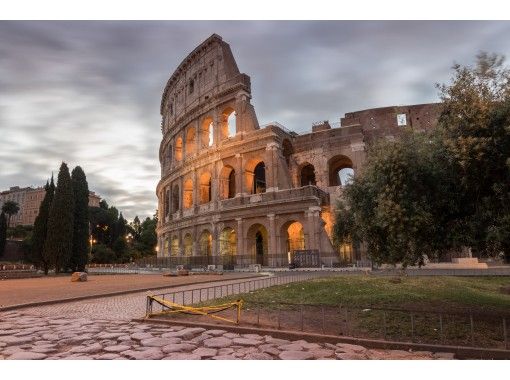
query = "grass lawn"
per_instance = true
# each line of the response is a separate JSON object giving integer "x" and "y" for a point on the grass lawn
{"x": 362, "y": 294}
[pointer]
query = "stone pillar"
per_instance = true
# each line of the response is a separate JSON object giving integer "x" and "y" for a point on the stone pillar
{"x": 217, "y": 128}
{"x": 215, "y": 235}
{"x": 271, "y": 167}
{"x": 181, "y": 193}
{"x": 314, "y": 224}
{"x": 196, "y": 191}
{"x": 272, "y": 236}
{"x": 195, "y": 241}
{"x": 240, "y": 237}
{"x": 181, "y": 244}
{"x": 239, "y": 175}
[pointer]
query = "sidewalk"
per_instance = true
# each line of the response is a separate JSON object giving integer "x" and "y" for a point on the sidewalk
{"x": 49, "y": 289}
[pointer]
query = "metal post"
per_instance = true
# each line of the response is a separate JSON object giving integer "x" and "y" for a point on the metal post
{"x": 302, "y": 318}
{"x": 412, "y": 327}
{"x": 323, "y": 320}
{"x": 441, "y": 328}
{"x": 384, "y": 324}
{"x": 472, "y": 330}
{"x": 505, "y": 339}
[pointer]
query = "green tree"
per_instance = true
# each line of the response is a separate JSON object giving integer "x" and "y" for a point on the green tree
{"x": 475, "y": 126}
{"x": 404, "y": 204}
{"x": 3, "y": 233}
{"x": 10, "y": 208}
{"x": 59, "y": 240}
{"x": 38, "y": 255}
{"x": 80, "y": 250}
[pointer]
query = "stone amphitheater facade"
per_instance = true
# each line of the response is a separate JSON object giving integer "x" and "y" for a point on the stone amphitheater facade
{"x": 234, "y": 192}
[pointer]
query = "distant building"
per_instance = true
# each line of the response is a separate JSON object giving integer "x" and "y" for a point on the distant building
{"x": 29, "y": 200}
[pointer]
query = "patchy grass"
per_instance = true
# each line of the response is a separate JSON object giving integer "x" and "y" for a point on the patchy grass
{"x": 362, "y": 294}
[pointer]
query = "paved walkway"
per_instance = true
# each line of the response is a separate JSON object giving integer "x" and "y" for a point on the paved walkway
{"x": 102, "y": 329}
{"x": 21, "y": 291}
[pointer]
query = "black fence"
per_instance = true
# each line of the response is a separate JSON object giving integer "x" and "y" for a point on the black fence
{"x": 465, "y": 329}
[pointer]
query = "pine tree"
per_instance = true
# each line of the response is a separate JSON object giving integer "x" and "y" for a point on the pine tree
{"x": 79, "y": 257}
{"x": 41, "y": 228}
{"x": 3, "y": 233}
{"x": 59, "y": 240}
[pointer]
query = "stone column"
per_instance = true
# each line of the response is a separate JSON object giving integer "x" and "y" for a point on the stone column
{"x": 195, "y": 241}
{"x": 240, "y": 237}
{"x": 313, "y": 227}
{"x": 181, "y": 193}
{"x": 272, "y": 236}
{"x": 239, "y": 175}
{"x": 271, "y": 167}
{"x": 181, "y": 244}
{"x": 196, "y": 192}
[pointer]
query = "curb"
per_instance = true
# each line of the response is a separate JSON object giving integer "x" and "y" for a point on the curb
{"x": 120, "y": 293}
{"x": 459, "y": 351}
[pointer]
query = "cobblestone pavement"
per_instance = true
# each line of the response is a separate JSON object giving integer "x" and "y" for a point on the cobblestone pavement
{"x": 24, "y": 336}
{"x": 102, "y": 329}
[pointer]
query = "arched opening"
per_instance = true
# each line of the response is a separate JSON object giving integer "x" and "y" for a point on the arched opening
{"x": 345, "y": 250}
{"x": 205, "y": 245}
{"x": 178, "y": 149}
{"x": 175, "y": 198}
{"x": 227, "y": 182}
{"x": 191, "y": 86}
{"x": 166, "y": 201}
{"x": 174, "y": 246}
{"x": 308, "y": 175}
{"x": 257, "y": 240}
{"x": 191, "y": 141}
{"x": 228, "y": 242}
{"x": 167, "y": 157}
{"x": 205, "y": 188}
{"x": 259, "y": 178}
{"x": 288, "y": 150}
{"x": 207, "y": 133}
{"x": 295, "y": 237}
{"x": 228, "y": 123}
{"x": 188, "y": 245}
{"x": 340, "y": 171}
{"x": 187, "y": 197}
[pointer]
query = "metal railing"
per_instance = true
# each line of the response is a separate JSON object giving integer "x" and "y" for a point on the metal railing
{"x": 464, "y": 329}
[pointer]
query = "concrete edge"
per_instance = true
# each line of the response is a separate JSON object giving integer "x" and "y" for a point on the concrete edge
{"x": 112, "y": 294}
{"x": 459, "y": 351}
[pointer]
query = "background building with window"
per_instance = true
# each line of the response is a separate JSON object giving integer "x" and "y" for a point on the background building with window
{"x": 233, "y": 189}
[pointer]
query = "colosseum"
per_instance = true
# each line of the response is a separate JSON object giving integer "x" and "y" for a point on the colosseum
{"x": 236, "y": 193}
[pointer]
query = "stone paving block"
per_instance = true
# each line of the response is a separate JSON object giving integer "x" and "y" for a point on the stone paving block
{"x": 216, "y": 332}
{"x": 218, "y": 342}
{"x": 90, "y": 349}
{"x": 117, "y": 348}
{"x": 178, "y": 347}
{"x": 182, "y": 356}
{"x": 295, "y": 355}
{"x": 14, "y": 340}
{"x": 151, "y": 354}
{"x": 205, "y": 352}
{"x": 156, "y": 342}
{"x": 25, "y": 355}
{"x": 258, "y": 356}
{"x": 141, "y": 336}
{"x": 247, "y": 341}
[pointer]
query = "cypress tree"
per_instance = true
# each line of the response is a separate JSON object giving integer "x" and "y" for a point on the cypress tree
{"x": 80, "y": 252}
{"x": 59, "y": 240}
{"x": 41, "y": 228}
{"x": 3, "y": 233}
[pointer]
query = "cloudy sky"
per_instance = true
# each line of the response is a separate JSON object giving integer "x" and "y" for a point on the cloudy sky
{"x": 88, "y": 93}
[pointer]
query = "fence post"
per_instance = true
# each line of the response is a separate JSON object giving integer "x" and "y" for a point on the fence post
{"x": 323, "y": 320}
{"x": 441, "y": 328}
{"x": 384, "y": 324}
{"x": 302, "y": 327}
{"x": 412, "y": 327}
{"x": 505, "y": 339}
{"x": 472, "y": 329}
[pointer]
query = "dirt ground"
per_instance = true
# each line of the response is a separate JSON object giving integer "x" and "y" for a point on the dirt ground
{"x": 23, "y": 291}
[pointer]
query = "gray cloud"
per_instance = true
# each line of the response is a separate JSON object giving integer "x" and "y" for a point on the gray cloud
{"x": 88, "y": 93}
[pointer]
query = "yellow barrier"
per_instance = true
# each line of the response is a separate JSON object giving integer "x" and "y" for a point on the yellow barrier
{"x": 203, "y": 310}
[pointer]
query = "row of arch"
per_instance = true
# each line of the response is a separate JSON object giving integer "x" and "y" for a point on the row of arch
{"x": 226, "y": 189}
{"x": 204, "y": 137}
{"x": 340, "y": 172}
{"x": 257, "y": 242}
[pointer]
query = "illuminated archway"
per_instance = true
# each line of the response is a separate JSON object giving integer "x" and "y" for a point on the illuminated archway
{"x": 205, "y": 188}
{"x": 205, "y": 245}
{"x": 175, "y": 198}
{"x": 188, "y": 245}
{"x": 207, "y": 133}
{"x": 228, "y": 242}
{"x": 187, "y": 201}
{"x": 191, "y": 141}
{"x": 227, "y": 182}
{"x": 178, "y": 149}
{"x": 228, "y": 123}
{"x": 257, "y": 243}
{"x": 174, "y": 246}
